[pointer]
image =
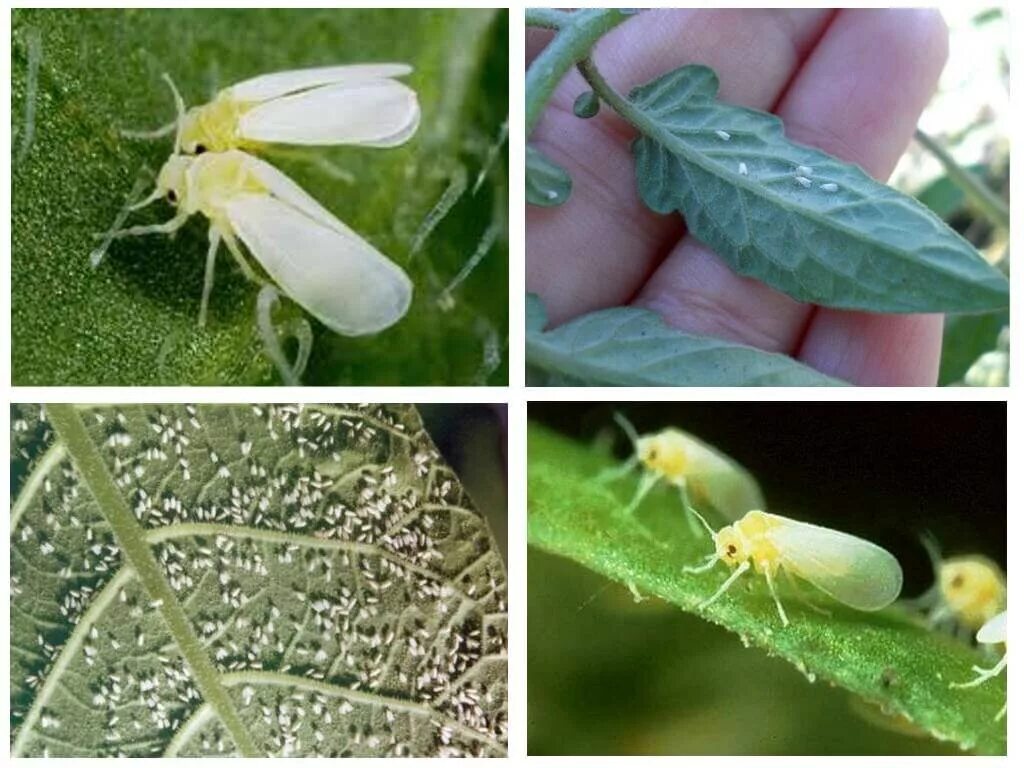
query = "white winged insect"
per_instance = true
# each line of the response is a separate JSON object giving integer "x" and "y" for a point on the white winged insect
{"x": 992, "y": 633}
{"x": 849, "y": 569}
{"x": 321, "y": 264}
{"x": 358, "y": 104}
{"x": 701, "y": 472}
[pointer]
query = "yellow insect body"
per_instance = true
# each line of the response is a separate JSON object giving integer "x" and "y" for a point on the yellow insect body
{"x": 358, "y": 104}
{"x": 968, "y": 591}
{"x": 851, "y": 570}
{"x": 973, "y": 589}
{"x": 697, "y": 469}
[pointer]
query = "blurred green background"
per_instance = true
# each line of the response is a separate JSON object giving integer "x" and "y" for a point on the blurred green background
{"x": 609, "y": 676}
{"x": 969, "y": 121}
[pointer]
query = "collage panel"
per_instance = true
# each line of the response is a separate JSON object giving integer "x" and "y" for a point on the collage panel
{"x": 766, "y": 578}
{"x": 258, "y": 580}
{"x": 259, "y": 196}
{"x": 768, "y": 197}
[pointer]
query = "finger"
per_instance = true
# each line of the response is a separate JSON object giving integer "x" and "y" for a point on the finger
{"x": 861, "y": 62}
{"x": 881, "y": 349}
{"x": 875, "y": 350}
{"x": 599, "y": 248}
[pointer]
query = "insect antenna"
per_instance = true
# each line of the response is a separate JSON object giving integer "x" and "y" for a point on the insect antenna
{"x": 627, "y": 427}
{"x": 179, "y": 105}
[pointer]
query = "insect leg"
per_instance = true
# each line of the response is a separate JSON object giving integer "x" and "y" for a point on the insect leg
{"x": 802, "y": 597}
{"x": 707, "y": 565}
{"x": 243, "y": 263}
{"x": 982, "y": 675}
{"x": 693, "y": 513}
{"x": 167, "y": 228}
{"x": 775, "y": 596}
{"x": 299, "y": 329}
{"x": 744, "y": 567}
{"x": 211, "y": 258}
{"x": 609, "y": 475}
{"x": 647, "y": 482}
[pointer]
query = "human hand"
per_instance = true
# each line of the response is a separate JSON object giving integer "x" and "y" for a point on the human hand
{"x": 851, "y": 82}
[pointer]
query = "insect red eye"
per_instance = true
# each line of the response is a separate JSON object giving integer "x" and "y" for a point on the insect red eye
{"x": 731, "y": 549}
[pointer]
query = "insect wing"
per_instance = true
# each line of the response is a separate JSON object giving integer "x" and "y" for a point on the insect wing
{"x": 722, "y": 481}
{"x": 850, "y": 569}
{"x": 333, "y": 273}
{"x": 375, "y": 113}
{"x": 277, "y": 84}
{"x": 994, "y": 630}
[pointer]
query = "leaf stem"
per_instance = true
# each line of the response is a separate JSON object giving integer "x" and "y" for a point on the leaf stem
{"x": 578, "y": 32}
{"x": 988, "y": 203}
{"x": 548, "y": 18}
{"x": 610, "y": 96}
{"x": 131, "y": 537}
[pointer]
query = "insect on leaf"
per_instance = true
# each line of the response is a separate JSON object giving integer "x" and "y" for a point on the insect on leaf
{"x": 248, "y": 580}
{"x": 794, "y": 217}
{"x": 547, "y": 183}
{"x": 628, "y": 346}
{"x": 885, "y": 658}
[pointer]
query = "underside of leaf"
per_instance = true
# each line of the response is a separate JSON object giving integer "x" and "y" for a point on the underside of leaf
{"x": 628, "y": 346}
{"x": 794, "y": 217}
{"x": 286, "y": 580}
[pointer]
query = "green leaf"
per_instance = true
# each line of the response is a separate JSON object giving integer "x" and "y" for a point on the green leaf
{"x": 794, "y": 217}
{"x": 885, "y": 658}
{"x": 547, "y": 183}
{"x": 627, "y": 346}
{"x": 248, "y": 580}
{"x": 965, "y": 338}
{"x": 133, "y": 320}
{"x": 587, "y": 105}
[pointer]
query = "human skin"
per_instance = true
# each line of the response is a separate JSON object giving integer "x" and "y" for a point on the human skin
{"x": 851, "y": 82}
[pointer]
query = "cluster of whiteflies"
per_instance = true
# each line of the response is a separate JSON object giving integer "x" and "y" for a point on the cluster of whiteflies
{"x": 332, "y": 272}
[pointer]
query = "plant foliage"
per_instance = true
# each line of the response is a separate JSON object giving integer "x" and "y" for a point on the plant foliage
{"x": 248, "y": 580}
{"x": 628, "y": 346}
{"x": 794, "y": 217}
{"x": 885, "y": 658}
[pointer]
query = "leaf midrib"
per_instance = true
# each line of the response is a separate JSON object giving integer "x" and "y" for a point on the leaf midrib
{"x": 131, "y": 537}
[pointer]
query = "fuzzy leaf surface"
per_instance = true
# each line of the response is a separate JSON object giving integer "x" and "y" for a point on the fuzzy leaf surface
{"x": 794, "y": 217}
{"x": 885, "y": 658}
{"x": 628, "y": 346}
{"x": 268, "y": 580}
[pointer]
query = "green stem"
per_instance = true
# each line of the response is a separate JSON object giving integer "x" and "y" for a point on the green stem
{"x": 578, "y": 32}
{"x": 131, "y": 537}
{"x": 988, "y": 203}
{"x": 548, "y": 18}
{"x": 611, "y": 97}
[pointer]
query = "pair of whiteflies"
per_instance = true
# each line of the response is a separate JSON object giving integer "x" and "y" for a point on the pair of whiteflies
{"x": 321, "y": 264}
{"x": 851, "y": 570}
